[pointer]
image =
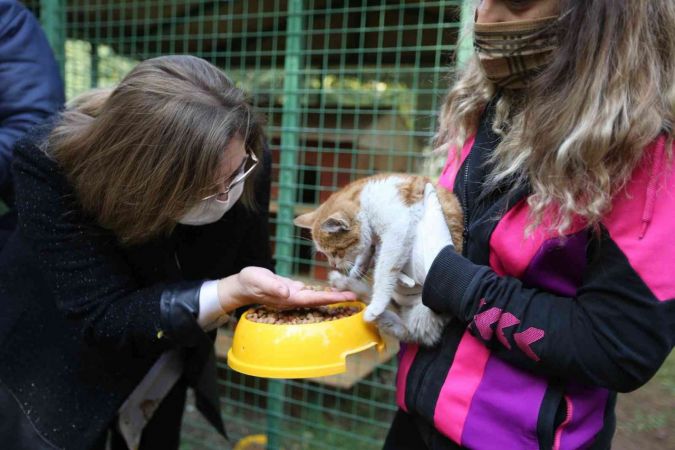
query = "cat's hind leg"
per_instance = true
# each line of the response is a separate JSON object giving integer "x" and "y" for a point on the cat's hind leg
{"x": 390, "y": 323}
{"x": 424, "y": 326}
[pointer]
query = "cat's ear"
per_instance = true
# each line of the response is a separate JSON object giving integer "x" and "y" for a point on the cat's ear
{"x": 305, "y": 220}
{"x": 336, "y": 223}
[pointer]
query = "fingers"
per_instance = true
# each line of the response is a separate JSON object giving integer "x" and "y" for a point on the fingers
{"x": 264, "y": 287}
{"x": 306, "y": 297}
{"x": 431, "y": 201}
{"x": 290, "y": 283}
{"x": 271, "y": 285}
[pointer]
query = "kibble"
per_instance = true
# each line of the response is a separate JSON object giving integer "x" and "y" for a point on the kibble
{"x": 301, "y": 315}
{"x": 318, "y": 288}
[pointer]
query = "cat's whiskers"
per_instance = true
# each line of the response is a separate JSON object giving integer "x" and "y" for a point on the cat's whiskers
{"x": 300, "y": 237}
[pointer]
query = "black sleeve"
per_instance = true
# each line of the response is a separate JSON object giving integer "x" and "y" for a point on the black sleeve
{"x": 255, "y": 248}
{"x": 614, "y": 333}
{"x": 30, "y": 85}
{"x": 90, "y": 279}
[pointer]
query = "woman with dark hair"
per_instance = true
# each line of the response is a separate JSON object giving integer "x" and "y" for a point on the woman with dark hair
{"x": 559, "y": 135}
{"x": 142, "y": 224}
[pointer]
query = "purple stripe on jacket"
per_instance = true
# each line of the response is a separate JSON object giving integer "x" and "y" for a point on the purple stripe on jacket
{"x": 587, "y": 416}
{"x": 505, "y": 407}
{"x": 557, "y": 266}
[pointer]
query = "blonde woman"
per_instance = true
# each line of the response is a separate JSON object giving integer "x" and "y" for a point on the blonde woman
{"x": 560, "y": 147}
{"x": 142, "y": 224}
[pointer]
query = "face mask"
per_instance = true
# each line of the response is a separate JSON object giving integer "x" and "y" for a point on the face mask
{"x": 512, "y": 53}
{"x": 211, "y": 210}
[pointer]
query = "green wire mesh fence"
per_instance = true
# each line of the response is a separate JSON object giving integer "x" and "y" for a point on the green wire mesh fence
{"x": 349, "y": 88}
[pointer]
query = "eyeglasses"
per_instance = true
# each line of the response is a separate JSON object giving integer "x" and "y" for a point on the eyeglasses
{"x": 242, "y": 173}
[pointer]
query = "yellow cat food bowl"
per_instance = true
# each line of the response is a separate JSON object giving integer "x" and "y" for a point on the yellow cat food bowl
{"x": 302, "y": 350}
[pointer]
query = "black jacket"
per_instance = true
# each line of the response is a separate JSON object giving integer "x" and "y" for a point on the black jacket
{"x": 80, "y": 315}
{"x": 546, "y": 328}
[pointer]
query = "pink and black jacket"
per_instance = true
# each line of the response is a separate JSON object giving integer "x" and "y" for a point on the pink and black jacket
{"x": 547, "y": 329}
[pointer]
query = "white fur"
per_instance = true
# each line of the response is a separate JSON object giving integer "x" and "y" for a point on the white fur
{"x": 390, "y": 224}
{"x": 382, "y": 208}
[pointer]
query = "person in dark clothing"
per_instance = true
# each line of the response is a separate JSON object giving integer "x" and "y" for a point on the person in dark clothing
{"x": 559, "y": 136}
{"x": 142, "y": 222}
{"x": 31, "y": 91}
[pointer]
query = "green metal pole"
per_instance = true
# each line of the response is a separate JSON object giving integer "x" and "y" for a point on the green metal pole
{"x": 93, "y": 70}
{"x": 465, "y": 43}
{"x": 53, "y": 18}
{"x": 290, "y": 121}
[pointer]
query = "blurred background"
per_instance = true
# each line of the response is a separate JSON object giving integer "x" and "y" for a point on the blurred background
{"x": 349, "y": 88}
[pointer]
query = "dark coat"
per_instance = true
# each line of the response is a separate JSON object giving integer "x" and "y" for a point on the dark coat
{"x": 80, "y": 315}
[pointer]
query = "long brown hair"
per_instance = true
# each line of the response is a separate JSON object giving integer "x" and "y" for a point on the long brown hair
{"x": 140, "y": 155}
{"x": 577, "y": 133}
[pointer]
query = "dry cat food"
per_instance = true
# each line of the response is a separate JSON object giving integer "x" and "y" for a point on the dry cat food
{"x": 301, "y": 315}
{"x": 316, "y": 287}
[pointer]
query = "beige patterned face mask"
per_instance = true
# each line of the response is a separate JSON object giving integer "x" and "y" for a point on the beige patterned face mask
{"x": 512, "y": 53}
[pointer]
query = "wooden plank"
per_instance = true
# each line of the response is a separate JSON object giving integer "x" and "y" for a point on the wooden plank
{"x": 300, "y": 208}
{"x": 360, "y": 365}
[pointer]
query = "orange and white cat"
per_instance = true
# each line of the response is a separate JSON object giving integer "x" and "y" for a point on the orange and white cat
{"x": 371, "y": 222}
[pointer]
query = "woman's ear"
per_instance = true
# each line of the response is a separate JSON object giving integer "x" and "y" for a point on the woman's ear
{"x": 305, "y": 220}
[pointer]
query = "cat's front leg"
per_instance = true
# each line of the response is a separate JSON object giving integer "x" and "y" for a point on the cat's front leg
{"x": 362, "y": 263}
{"x": 391, "y": 257}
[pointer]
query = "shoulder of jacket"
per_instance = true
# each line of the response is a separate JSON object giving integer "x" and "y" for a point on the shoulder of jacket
{"x": 10, "y": 11}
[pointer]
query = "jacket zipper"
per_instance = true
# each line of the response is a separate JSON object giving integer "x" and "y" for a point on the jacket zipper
{"x": 568, "y": 418}
{"x": 465, "y": 233}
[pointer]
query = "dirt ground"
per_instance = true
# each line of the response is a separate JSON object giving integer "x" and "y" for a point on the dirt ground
{"x": 646, "y": 418}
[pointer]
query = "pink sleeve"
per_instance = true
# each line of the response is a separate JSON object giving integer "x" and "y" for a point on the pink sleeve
{"x": 452, "y": 163}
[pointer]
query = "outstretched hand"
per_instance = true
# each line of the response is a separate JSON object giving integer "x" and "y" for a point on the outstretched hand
{"x": 260, "y": 286}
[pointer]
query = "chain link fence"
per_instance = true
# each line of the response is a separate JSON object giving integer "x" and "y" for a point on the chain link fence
{"x": 349, "y": 88}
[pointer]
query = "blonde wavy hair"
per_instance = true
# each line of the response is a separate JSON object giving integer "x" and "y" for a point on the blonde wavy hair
{"x": 140, "y": 155}
{"x": 578, "y": 131}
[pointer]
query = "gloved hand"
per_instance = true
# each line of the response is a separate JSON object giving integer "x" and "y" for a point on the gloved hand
{"x": 431, "y": 236}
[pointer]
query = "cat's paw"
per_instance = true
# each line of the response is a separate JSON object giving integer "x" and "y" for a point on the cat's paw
{"x": 346, "y": 283}
{"x": 424, "y": 326}
{"x": 338, "y": 280}
{"x": 389, "y": 323}
{"x": 373, "y": 311}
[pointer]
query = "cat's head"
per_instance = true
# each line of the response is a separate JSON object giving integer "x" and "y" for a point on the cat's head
{"x": 336, "y": 231}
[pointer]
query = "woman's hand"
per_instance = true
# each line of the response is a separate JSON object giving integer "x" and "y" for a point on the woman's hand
{"x": 261, "y": 286}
